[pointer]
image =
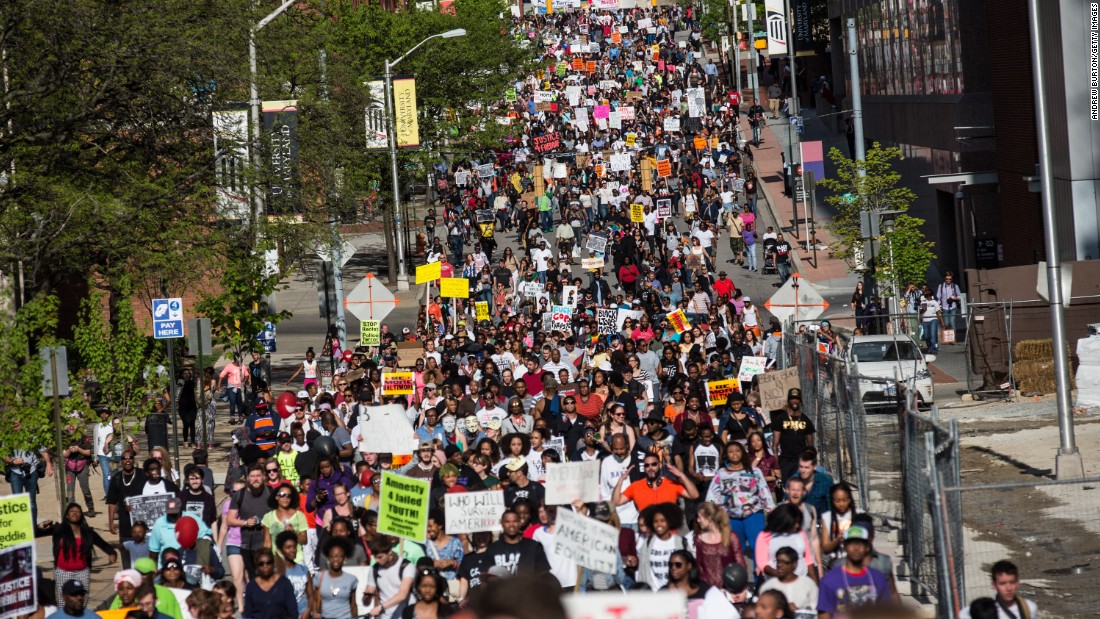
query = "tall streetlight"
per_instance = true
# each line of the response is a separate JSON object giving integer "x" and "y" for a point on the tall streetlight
{"x": 391, "y": 117}
{"x": 254, "y": 108}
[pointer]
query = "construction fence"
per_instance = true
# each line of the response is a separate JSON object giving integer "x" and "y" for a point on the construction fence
{"x": 894, "y": 460}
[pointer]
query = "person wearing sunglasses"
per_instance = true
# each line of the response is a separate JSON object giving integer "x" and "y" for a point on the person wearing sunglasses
{"x": 273, "y": 473}
{"x": 285, "y": 515}
{"x": 268, "y": 595}
{"x": 126, "y": 482}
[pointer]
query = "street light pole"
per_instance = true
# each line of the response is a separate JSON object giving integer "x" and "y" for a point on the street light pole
{"x": 401, "y": 278}
{"x": 1068, "y": 464}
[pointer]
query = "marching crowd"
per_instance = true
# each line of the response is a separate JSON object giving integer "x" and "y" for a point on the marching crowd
{"x": 627, "y": 163}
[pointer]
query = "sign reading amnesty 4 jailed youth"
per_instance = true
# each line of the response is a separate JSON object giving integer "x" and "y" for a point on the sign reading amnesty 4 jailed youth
{"x": 403, "y": 507}
{"x": 17, "y": 557}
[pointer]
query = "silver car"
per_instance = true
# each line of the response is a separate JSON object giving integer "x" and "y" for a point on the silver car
{"x": 887, "y": 360}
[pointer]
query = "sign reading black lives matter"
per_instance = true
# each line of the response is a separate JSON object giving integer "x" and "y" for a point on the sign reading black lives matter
{"x": 18, "y": 594}
{"x": 605, "y": 318}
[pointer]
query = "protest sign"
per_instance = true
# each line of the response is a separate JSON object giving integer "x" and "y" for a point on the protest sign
{"x": 620, "y": 163}
{"x": 614, "y": 120}
{"x": 631, "y": 138}
{"x": 547, "y": 142}
{"x": 699, "y": 142}
{"x": 543, "y": 96}
{"x": 484, "y": 216}
{"x": 615, "y": 605}
{"x": 664, "y": 208}
{"x": 591, "y": 264}
{"x": 470, "y": 512}
{"x": 544, "y": 106}
{"x": 454, "y": 287}
{"x": 605, "y": 318}
{"x": 403, "y": 506}
{"x": 482, "y": 309}
{"x": 408, "y": 353}
{"x": 147, "y": 508}
{"x": 678, "y": 320}
{"x": 672, "y": 124}
{"x": 428, "y": 272}
{"x": 18, "y": 593}
{"x": 697, "y": 102}
{"x": 587, "y": 541}
{"x": 623, "y": 315}
{"x": 590, "y": 66}
{"x": 568, "y": 481}
{"x": 578, "y": 64}
{"x": 570, "y": 295}
{"x": 664, "y": 168}
{"x": 718, "y": 391}
{"x": 370, "y": 332}
{"x": 386, "y": 429}
{"x": 461, "y": 177}
{"x": 397, "y": 383}
{"x": 486, "y": 171}
{"x": 751, "y": 366}
{"x": 616, "y": 38}
{"x": 530, "y": 289}
{"x": 597, "y": 243}
{"x": 563, "y": 318}
{"x": 510, "y": 95}
{"x": 626, "y": 112}
{"x": 637, "y": 213}
{"x": 547, "y": 321}
{"x": 17, "y": 524}
{"x": 645, "y": 23}
{"x": 774, "y": 387}
{"x": 601, "y": 111}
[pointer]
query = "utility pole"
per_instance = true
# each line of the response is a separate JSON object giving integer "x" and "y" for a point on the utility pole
{"x": 748, "y": 14}
{"x": 792, "y": 113}
{"x": 735, "y": 46}
{"x": 1068, "y": 464}
{"x": 857, "y": 98}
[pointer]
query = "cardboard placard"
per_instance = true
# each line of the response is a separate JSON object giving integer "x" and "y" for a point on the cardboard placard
{"x": 397, "y": 383}
{"x": 569, "y": 481}
{"x": 482, "y": 310}
{"x": 547, "y": 142}
{"x": 408, "y": 353}
{"x": 774, "y": 387}
{"x": 718, "y": 391}
{"x": 587, "y": 541}
{"x": 637, "y": 213}
{"x": 751, "y": 366}
{"x": 664, "y": 168}
{"x": 470, "y": 512}
{"x": 605, "y": 319}
{"x": 678, "y": 320}
{"x": 386, "y": 429}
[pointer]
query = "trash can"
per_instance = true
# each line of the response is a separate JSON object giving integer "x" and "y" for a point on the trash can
{"x": 156, "y": 429}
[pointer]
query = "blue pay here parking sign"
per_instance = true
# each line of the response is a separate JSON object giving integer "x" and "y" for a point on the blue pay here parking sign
{"x": 167, "y": 318}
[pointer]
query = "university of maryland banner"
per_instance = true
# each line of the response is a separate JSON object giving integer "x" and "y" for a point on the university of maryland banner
{"x": 404, "y": 102}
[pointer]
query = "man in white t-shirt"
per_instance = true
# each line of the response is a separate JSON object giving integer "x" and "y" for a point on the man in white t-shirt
{"x": 611, "y": 469}
{"x": 100, "y": 438}
{"x": 931, "y": 317}
{"x": 541, "y": 255}
{"x": 801, "y": 591}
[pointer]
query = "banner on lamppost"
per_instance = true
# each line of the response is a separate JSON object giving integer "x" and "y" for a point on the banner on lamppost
{"x": 802, "y": 27}
{"x": 375, "y": 113}
{"x": 404, "y": 101}
{"x": 281, "y": 133}
{"x": 776, "y": 23}
{"x": 231, "y": 161}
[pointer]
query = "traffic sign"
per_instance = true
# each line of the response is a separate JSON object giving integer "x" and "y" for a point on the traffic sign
{"x": 167, "y": 318}
{"x": 370, "y": 300}
{"x": 797, "y": 299}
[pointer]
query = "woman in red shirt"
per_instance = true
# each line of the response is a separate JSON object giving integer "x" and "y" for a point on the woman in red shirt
{"x": 629, "y": 274}
{"x": 73, "y": 540}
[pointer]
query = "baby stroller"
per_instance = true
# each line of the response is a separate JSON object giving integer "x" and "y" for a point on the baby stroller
{"x": 769, "y": 258}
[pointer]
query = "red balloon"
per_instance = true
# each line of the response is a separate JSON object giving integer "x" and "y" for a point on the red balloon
{"x": 187, "y": 531}
{"x": 348, "y": 356}
{"x": 286, "y": 404}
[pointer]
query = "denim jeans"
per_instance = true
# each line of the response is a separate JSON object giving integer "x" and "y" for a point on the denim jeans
{"x": 105, "y": 470}
{"x": 930, "y": 332}
{"x": 546, "y": 219}
{"x": 235, "y": 404}
{"x": 750, "y": 254}
{"x": 784, "y": 269}
{"x": 28, "y": 484}
{"x": 747, "y": 529}
{"x": 950, "y": 317}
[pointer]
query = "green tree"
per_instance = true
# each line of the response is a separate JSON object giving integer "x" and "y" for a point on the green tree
{"x": 870, "y": 185}
{"x": 21, "y": 334}
{"x": 118, "y": 355}
{"x": 911, "y": 256}
{"x": 240, "y": 311}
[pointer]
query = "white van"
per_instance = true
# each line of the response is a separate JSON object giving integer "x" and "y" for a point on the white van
{"x": 891, "y": 358}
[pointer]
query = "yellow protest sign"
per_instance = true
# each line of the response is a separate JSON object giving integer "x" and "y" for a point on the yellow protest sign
{"x": 482, "y": 308}
{"x": 397, "y": 383}
{"x": 370, "y": 332}
{"x": 429, "y": 272}
{"x": 630, "y": 139}
{"x": 637, "y": 213}
{"x": 16, "y": 519}
{"x": 454, "y": 287}
{"x": 718, "y": 391}
{"x": 403, "y": 506}
{"x": 678, "y": 320}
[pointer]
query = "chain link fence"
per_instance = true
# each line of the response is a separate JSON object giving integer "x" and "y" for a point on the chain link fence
{"x": 898, "y": 461}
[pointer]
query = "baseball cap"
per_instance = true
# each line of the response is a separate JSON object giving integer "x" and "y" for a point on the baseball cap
{"x": 516, "y": 464}
{"x": 857, "y": 533}
{"x": 406, "y": 330}
{"x": 430, "y": 386}
{"x": 74, "y": 587}
{"x": 747, "y": 300}
{"x": 284, "y": 437}
{"x": 145, "y": 565}
{"x": 303, "y": 395}
{"x": 175, "y": 506}
{"x": 425, "y": 444}
{"x": 794, "y": 392}
{"x": 365, "y": 395}
{"x": 655, "y": 416}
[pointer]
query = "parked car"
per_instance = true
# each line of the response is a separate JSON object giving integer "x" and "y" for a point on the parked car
{"x": 888, "y": 360}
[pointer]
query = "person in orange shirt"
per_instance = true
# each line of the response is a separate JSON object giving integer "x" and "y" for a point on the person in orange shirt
{"x": 654, "y": 488}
